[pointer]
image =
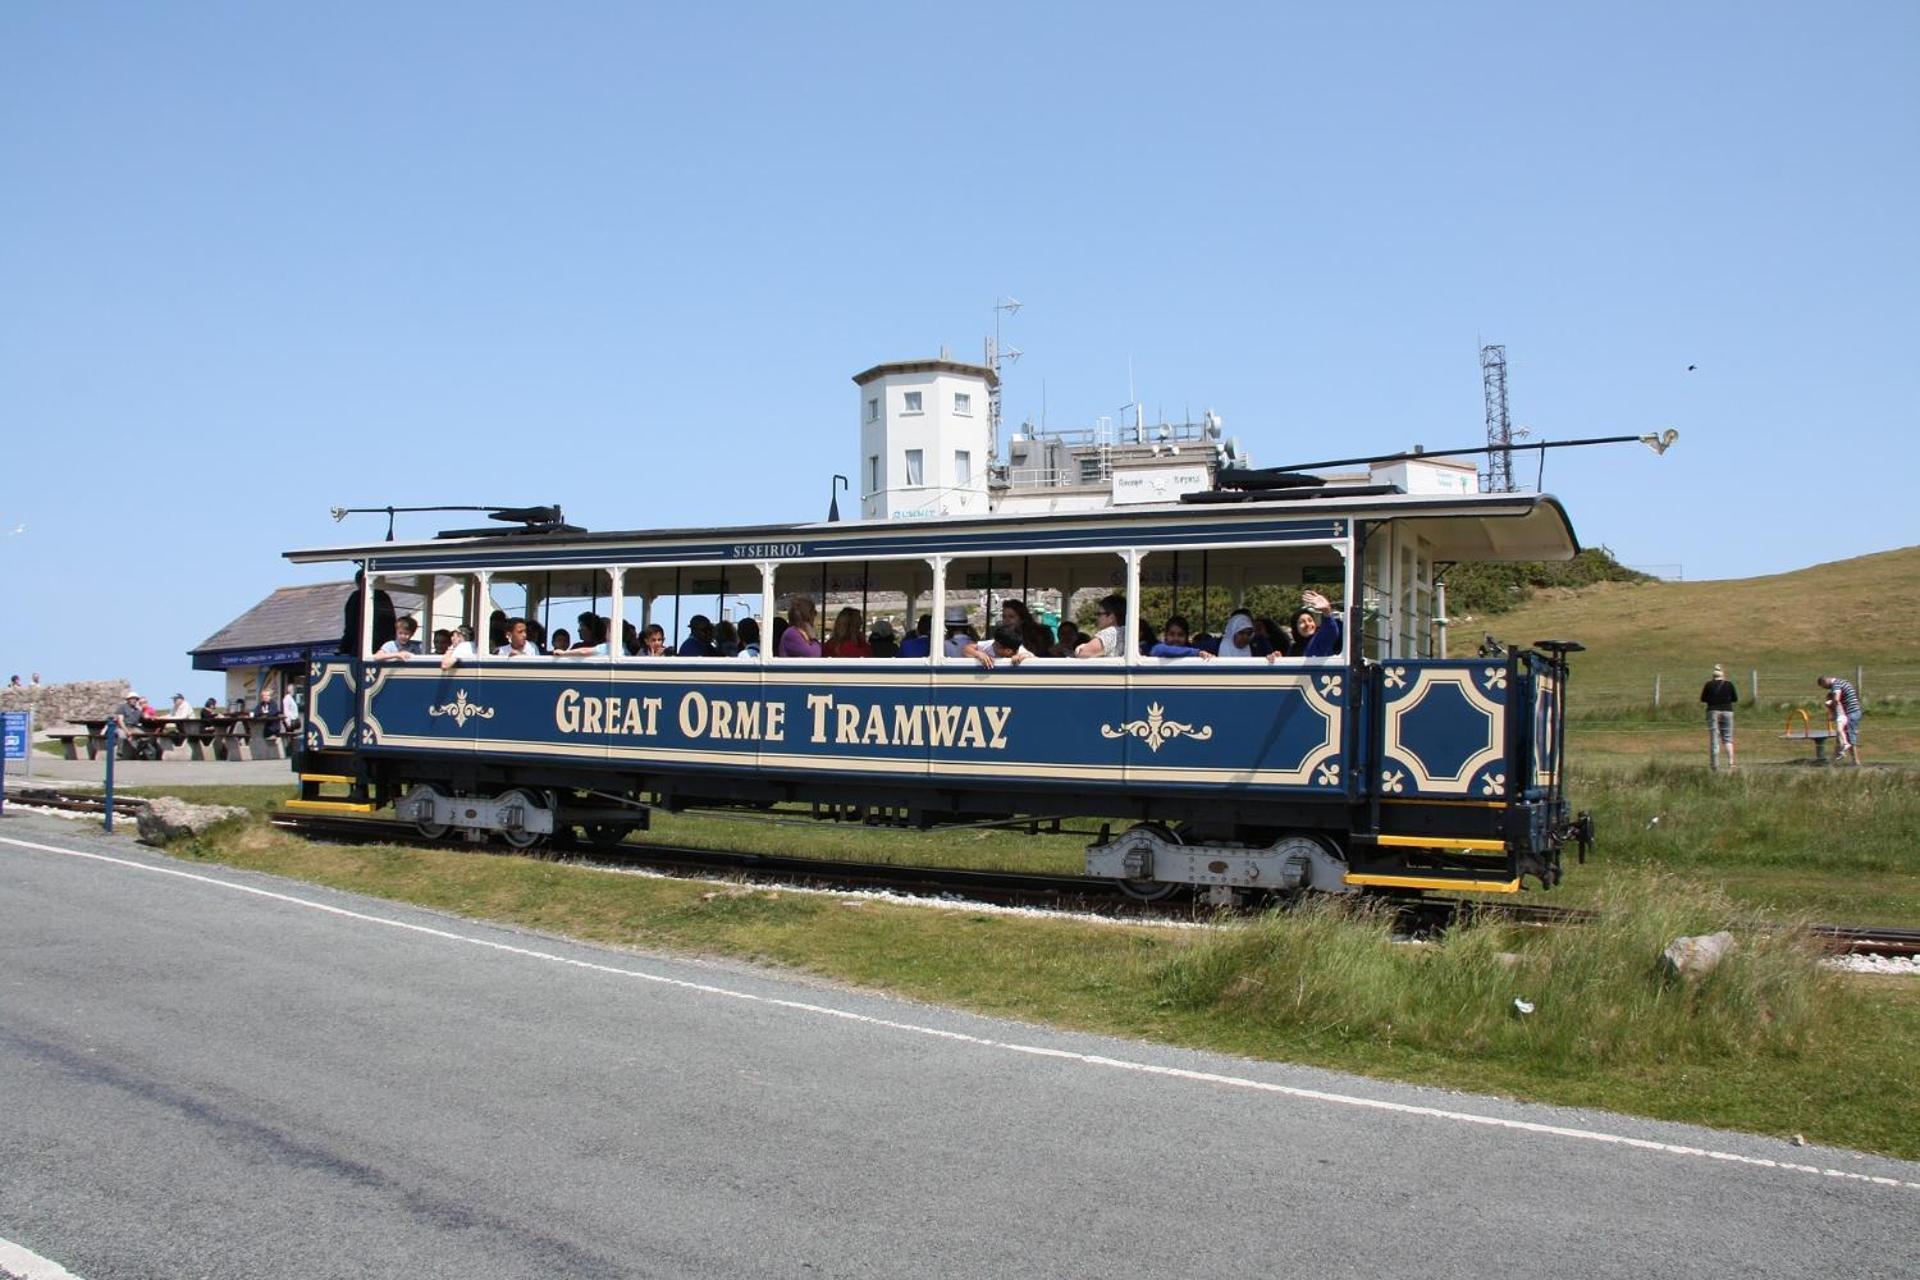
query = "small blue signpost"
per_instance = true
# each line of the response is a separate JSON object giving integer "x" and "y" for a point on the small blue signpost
{"x": 16, "y": 739}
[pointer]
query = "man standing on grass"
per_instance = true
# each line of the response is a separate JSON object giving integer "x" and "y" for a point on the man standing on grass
{"x": 1846, "y": 699}
{"x": 1719, "y": 694}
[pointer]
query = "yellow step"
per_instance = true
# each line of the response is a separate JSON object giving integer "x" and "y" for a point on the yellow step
{"x": 1442, "y": 842}
{"x": 339, "y": 778}
{"x": 330, "y": 806}
{"x": 1426, "y": 882}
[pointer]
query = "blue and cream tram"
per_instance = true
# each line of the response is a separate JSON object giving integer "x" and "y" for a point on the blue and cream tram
{"x": 1384, "y": 766}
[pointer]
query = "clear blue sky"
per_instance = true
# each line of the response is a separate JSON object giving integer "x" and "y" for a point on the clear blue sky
{"x": 258, "y": 261}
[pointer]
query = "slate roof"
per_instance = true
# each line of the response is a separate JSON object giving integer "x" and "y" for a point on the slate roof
{"x": 292, "y": 616}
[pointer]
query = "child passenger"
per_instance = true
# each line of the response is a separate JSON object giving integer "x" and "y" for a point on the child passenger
{"x": 1004, "y": 647}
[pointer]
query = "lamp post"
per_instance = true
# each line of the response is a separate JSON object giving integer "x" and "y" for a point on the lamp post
{"x": 833, "y": 503}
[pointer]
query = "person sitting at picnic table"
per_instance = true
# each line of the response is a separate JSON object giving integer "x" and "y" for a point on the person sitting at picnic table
{"x": 126, "y": 719}
{"x": 210, "y": 709}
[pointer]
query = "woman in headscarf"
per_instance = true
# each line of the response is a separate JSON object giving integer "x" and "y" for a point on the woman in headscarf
{"x": 1236, "y": 639}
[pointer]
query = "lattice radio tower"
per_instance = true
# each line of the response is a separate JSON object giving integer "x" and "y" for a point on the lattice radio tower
{"x": 1498, "y": 477}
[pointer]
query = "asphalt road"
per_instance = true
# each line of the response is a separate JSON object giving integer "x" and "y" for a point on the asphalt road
{"x": 198, "y": 1081}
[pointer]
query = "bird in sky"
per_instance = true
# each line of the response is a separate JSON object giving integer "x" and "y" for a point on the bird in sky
{"x": 1692, "y": 367}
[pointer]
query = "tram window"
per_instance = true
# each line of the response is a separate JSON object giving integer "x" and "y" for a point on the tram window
{"x": 1048, "y": 589}
{"x": 409, "y": 597}
{"x": 577, "y": 601}
{"x": 697, "y": 607}
{"x": 844, "y": 600}
{"x": 1209, "y": 589}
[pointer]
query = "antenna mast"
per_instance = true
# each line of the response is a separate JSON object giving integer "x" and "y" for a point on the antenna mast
{"x": 1498, "y": 477}
{"x": 994, "y": 356}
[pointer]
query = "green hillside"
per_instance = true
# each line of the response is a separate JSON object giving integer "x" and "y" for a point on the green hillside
{"x": 1831, "y": 619}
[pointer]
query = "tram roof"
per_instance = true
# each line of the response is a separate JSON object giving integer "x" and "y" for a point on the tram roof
{"x": 1469, "y": 527}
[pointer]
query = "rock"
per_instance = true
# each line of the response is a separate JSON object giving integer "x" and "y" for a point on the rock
{"x": 1692, "y": 957}
{"x": 167, "y": 819}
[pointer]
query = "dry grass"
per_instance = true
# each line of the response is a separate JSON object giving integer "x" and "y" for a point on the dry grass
{"x": 1827, "y": 619}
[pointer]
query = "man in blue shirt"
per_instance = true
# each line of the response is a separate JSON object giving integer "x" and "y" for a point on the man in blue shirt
{"x": 699, "y": 642}
{"x": 920, "y": 643}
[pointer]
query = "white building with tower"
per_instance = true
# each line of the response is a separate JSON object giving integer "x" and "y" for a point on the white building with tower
{"x": 927, "y": 450}
{"x": 925, "y": 439}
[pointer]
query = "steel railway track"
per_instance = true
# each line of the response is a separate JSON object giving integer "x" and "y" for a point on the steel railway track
{"x": 1014, "y": 888}
{"x": 1009, "y": 888}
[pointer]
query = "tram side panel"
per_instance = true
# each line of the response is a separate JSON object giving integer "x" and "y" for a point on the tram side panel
{"x": 1444, "y": 731}
{"x": 1258, "y": 730}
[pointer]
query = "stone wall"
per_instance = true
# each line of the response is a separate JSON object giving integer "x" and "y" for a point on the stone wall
{"x": 55, "y": 704}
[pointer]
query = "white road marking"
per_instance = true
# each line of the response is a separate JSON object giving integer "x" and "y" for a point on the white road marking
{"x": 17, "y": 1260}
{"x": 1009, "y": 1046}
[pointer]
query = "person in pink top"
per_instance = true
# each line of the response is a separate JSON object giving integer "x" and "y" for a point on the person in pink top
{"x": 798, "y": 641}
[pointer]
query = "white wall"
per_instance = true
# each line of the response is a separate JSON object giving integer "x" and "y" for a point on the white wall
{"x": 938, "y": 431}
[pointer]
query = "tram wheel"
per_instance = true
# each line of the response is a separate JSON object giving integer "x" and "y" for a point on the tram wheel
{"x": 428, "y": 830}
{"x": 521, "y": 839}
{"x": 1152, "y": 890}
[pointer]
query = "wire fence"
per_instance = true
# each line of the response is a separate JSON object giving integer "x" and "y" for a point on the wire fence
{"x": 1674, "y": 690}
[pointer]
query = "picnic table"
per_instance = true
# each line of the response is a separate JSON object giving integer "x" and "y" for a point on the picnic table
{"x": 183, "y": 737}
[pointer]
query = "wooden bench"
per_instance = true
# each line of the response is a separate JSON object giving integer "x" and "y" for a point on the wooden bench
{"x": 70, "y": 744}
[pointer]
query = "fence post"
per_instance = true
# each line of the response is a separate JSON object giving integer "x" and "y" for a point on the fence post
{"x": 1755, "y": 672}
{"x": 1860, "y": 681}
{"x": 1656, "y": 692}
{"x": 113, "y": 749}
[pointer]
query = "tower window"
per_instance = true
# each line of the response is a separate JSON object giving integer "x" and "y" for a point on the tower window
{"x": 962, "y": 467}
{"x": 873, "y": 409}
{"x": 913, "y": 402}
{"x": 873, "y": 473}
{"x": 914, "y": 457}
{"x": 963, "y": 402}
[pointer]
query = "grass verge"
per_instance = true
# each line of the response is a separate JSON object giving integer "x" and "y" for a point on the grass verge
{"x": 1769, "y": 1044}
